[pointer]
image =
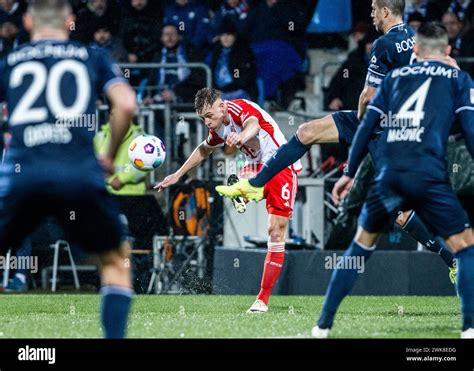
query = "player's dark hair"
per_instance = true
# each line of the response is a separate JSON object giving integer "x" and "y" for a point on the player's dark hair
{"x": 206, "y": 97}
{"x": 432, "y": 30}
{"x": 397, "y": 7}
{"x": 432, "y": 36}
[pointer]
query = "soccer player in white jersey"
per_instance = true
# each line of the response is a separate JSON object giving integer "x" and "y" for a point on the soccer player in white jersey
{"x": 244, "y": 125}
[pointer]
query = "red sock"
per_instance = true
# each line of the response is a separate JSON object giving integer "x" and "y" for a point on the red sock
{"x": 271, "y": 270}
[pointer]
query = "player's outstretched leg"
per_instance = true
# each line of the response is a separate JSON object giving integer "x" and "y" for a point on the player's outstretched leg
{"x": 322, "y": 130}
{"x": 116, "y": 291}
{"x": 463, "y": 246}
{"x": 273, "y": 262}
{"x": 414, "y": 226}
{"x": 241, "y": 189}
{"x": 343, "y": 279}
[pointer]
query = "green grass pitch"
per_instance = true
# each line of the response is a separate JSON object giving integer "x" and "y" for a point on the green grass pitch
{"x": 183, "y": 316}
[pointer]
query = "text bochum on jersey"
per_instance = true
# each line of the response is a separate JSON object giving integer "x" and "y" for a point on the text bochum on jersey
{"x": 405, "y": 126}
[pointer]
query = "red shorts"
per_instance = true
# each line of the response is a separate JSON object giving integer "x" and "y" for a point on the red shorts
{"x": 279, "y": 192}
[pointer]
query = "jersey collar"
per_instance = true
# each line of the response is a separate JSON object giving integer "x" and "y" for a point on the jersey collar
{"x": 396, "y": 26}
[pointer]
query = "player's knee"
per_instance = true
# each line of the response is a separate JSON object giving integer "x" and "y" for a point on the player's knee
{"x": 402, "y": 217}
{"x": 119, "y": 258}
{"x": 306, "y": 133}
{"x": 366, "y": 238}
{"x": 460, "y": 241}
{"x": 275, "y": 235}
{"x": 276, "y": 230}
{"x": 318, "y": 131}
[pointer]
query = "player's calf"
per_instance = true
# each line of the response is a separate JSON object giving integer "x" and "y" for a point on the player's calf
{"x": 343, "y": 279}
{"x": 274, "y": 258}
{"x": 463, "y": 246}
{"x": 116, "y": 291}
{"x": 414, "y": 226}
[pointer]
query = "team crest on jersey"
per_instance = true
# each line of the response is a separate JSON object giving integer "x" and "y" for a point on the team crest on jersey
{"x": 472, "y": 96}
{"x": 373, "y": 60}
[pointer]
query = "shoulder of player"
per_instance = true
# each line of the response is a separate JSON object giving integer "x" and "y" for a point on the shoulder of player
{"x": 382, "y": 48}
{"x": 241, "y": 110}
{"x": 239, "y": 103}
{"x": 388, "y": 40}
{"x": 242, "y": 105}
{"x": 237, "y": 107}
{"x": 382, "y": 43}
{"x": 234, "y": 108}
{"x": 94, "y": 53}
{"x": 464, "y": 79}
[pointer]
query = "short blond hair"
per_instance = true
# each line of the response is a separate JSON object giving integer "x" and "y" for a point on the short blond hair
{"x": 49, "y": 13}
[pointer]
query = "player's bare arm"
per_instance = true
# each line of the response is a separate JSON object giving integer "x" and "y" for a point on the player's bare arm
{"x": 199, "y": 154}
{"x": 251, "y": 128}
{"x": 365, "y": 97}
{"x": 122, "y": 99}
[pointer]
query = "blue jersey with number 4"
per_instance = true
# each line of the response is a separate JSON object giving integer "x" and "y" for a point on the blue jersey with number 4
{"x": 416, "y": 107}
{"x": 51, "y": 88}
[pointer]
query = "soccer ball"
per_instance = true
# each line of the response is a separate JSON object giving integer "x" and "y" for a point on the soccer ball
{"x": 147, "y": 152}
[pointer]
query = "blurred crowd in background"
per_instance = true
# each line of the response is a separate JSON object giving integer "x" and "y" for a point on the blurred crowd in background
{"x": 254, "y": 47}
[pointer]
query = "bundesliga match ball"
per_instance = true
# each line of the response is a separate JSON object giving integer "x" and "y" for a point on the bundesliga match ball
{"x": 147, "y": 152}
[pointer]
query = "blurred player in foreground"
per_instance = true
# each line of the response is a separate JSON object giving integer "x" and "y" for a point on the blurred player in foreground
{"x": 391, "y": 50}
{"x": 415, "y": 108}
{"x": 243, "y": 124}
{"x": 51, "y": 86}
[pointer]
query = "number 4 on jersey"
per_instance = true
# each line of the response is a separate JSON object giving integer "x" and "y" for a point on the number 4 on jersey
{"x": 413, "y": 117}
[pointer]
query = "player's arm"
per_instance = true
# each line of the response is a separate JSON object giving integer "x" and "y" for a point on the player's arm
{"x": 365, "y": 97}
{"x": 362, "y": 137}
{"x": 250, "y": 130}
{"x": 199, "y": 154}
{"x": 122, "y": 104}
{"x": 357, "y": 153}
{"x": 375, "y": 111}
{"x": 465, "y": 111}
{"x": 467, "y": 124}
{"x": 229, "y": 151}
{"x": 122, "y": 100}
{"x": 376, "y": 72}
